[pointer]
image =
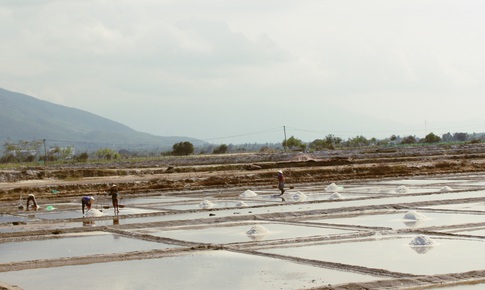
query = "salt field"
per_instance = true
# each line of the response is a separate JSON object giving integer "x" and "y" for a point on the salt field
{"x": 406, "y": 233}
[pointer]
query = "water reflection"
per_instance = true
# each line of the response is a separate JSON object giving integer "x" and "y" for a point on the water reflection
{"x": 88, "y": 223}
{"x": 421, "y": 244}
{"x": 412, "y": 223}
{"x": 421, "y": 249}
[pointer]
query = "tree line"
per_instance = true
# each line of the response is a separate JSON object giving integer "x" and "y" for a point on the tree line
{"x": 331, "y": 142}
{"x": 32, "y": 151}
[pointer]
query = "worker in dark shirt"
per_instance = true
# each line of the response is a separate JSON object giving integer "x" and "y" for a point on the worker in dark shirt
{"x": 113, "y": 192}
{"x": 87, "y": 202}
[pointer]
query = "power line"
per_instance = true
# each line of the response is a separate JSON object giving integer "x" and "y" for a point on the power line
{"x": 337, "y": 132}
{"x": 278, "y": 130}
{"x": 245, "y": 134}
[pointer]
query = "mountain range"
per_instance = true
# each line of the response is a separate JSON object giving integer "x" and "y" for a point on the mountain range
{"x": 25, "y": 118}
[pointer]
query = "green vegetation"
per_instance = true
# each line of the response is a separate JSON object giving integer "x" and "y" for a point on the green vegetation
{"x": 183, "y": 148}
{"x": 35, "y": 153}
{"x": 107, "y": 153}
{"x": 432, "y": 138}
{"x": 330, "y": 142}
{"x": 294, "y": 144}
{"x": 221, "y": 149}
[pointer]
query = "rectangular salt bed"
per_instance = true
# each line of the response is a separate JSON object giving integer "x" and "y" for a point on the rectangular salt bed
{"x": 56, "y": 214}
{"x": 446, "y": 255}
{"x": 6, "y": 218}
{"x": 83, "y": 245}
{"x": 397, "y": 220}
{"x": 237, "y": 233}
{"x": 473, "y": 206}
{"x": 201, "y": 270}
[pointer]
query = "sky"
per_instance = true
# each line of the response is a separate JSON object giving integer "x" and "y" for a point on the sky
{"x": 227, "y": 71}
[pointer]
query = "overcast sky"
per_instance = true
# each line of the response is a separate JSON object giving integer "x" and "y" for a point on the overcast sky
{"x": 229, "y": 71}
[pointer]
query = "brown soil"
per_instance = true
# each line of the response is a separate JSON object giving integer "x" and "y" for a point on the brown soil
{"x": 239, "y": 170}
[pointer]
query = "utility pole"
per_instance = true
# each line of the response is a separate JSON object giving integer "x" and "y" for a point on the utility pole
{"x": 45, "y": 154}
{"x": 425, "y": 128}
{"x": 284, "y": 131}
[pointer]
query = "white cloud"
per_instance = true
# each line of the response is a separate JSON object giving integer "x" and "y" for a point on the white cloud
{"x": 188, "y": 59}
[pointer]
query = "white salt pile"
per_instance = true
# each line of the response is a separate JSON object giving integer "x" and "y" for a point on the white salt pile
{"x": 421, "y": 240}
{"x": 206, "y": 204}
{"x": 257, "y": 232}
{"x": 248, "y": 193}
{"x": 241, "y": 204}
{"x": 336, "y": 196}
{"x": 94, "y": 213}
{"x": 446, "y": 189}
{"x": 332, "y": 188}
{"x": 298, "y": 196}
{"x": 414, "y": 215}
{"x": 402, "y": 189}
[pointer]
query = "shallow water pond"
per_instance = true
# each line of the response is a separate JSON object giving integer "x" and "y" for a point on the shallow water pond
{"x": 473, "y": 206}
{"x": 75, "y": 214}
{"x": 397, "y": 255}
{"x": 6, "y": 218}
{"x": 154, "y": 199}
{"x": 82, "y": 245}
{"x": 201, "y": 270}
{"x": 237, "y": 233}
{"x": 216, "y": 204}
{"x": 397, "y": 220}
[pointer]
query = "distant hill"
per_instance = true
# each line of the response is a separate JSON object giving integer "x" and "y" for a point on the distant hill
{"x": 26, "y": 118}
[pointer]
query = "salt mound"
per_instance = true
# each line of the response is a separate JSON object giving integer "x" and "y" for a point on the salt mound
{"x": 248, "y": 193}
{"x": 257, "y": 232}
{"x": 298, "y": 196}
{"x": 206, "y": 204}
{"x": 241, "y": 204}
{"x": 94, "y": 213}
{"x": 421, "y": 241}
{"x": 446, "y": 189}
{"x": 414, "y": 215}
{"x": 336, "y": 196}
{"x": 402, "y": 189}
{"x": 332, "y": 188}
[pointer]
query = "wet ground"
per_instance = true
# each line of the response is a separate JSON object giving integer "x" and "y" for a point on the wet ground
{"x": 394, "y": 233}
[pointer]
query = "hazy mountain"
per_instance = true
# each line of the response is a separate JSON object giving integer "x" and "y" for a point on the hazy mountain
{"x": 23, "y": 117}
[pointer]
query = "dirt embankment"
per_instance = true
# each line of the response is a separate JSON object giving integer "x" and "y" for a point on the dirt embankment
{"x": 241, "y": 170}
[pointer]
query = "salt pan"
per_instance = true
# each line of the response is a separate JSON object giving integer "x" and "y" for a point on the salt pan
{"x": 248, "y": 193}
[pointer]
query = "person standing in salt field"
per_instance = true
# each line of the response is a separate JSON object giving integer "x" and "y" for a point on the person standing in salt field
{"x": 113, "y": 192}
{"x": 281, "y": 182}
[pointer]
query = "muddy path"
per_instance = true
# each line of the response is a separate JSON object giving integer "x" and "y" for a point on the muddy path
{"x": 240, "y": 170}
